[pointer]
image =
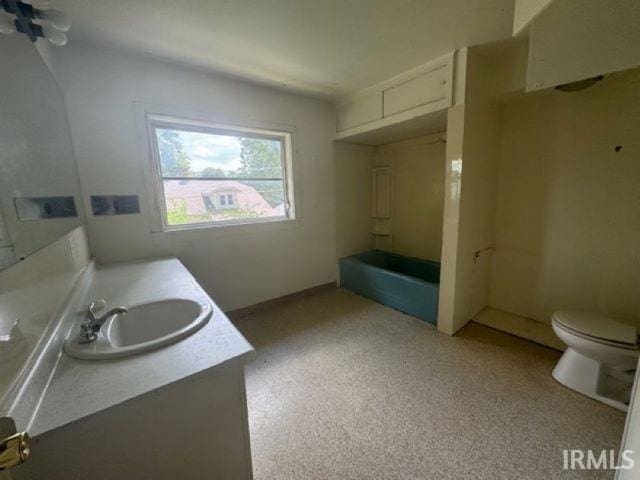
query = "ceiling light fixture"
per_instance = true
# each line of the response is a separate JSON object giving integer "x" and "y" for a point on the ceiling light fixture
{"x": 34, "y": 22}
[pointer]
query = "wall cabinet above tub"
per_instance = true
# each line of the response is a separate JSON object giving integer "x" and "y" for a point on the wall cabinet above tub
{"x": 361, "y": 109}
{"x": 407, "y": 105}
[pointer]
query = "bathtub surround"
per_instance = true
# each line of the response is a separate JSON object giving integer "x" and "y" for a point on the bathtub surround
{"x": 417, "y": 171}
{"x": 240, "y": 265}
{"x": 417, "y": 167}
{"x": 353, "y": 165}
{"x": 444, "y": 197}
{"x": 444, "y": 194}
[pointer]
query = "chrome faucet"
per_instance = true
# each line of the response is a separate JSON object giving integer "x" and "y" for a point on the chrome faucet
{"x": 92, "y": 324}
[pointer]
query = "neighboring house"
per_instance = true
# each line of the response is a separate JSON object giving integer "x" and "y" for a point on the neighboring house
{"x": 218, "y": 199}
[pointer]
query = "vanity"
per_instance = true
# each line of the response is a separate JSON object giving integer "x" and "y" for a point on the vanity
{"x": 175, "y": 409}
{"x": 150, "y": 385}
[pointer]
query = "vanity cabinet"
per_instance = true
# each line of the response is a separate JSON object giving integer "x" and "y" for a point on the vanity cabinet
{"x": 178, "y": 411}
{"x": 194, "y": 429}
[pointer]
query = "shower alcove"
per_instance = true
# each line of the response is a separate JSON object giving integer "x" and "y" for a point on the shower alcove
{"x": 390, "y": 158}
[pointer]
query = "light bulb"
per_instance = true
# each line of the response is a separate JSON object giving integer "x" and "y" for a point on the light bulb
{"x": 54, "y": 36}
{"x": 7, "y": 25}
{"x": 55, "y": 18}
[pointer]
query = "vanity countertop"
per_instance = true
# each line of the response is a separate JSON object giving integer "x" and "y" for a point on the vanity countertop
{"x": 79, "y": 388}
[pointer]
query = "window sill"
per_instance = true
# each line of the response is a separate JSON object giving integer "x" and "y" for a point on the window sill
{"x": 229, "y": 228}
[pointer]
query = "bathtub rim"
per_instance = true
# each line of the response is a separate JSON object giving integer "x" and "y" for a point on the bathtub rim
{"x": 403, "y": 276}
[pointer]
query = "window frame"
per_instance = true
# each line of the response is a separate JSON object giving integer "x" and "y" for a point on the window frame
{"x": 159, "y": 220}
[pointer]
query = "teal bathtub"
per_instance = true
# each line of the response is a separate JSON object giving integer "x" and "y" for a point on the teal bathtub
{"x": 407, "y": 284}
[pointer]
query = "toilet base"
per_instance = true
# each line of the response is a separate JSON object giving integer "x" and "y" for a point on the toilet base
{"x": 593, "y": 379}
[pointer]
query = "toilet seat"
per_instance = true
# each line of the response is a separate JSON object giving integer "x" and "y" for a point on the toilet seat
{"x": 597, "y": 328}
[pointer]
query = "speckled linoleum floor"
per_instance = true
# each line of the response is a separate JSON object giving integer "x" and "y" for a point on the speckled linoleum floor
{"x": 345, "y": 388}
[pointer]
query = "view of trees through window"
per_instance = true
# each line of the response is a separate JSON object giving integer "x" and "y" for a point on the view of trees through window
{"x": 211, "y": 177}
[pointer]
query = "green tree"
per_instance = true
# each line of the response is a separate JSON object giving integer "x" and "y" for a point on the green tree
{"x": 177, "y": 214}
{"x": 173, "y": 159}
{"x": 238, "y": 213}
{"x": 262, "y": 159}
{"x": 213, "y": 172}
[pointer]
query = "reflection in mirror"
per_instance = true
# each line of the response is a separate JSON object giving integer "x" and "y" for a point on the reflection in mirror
{"x": 39, "y": 191}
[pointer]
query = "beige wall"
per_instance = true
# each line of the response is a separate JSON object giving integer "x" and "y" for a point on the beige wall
{"x": 418, "y": 197}
{"x": 473, "y": 136}
{"x": 418, "y": 194}
{"x": 525, "y": 11}
{"x": 353, "y": 164}
{"x": 568, "y": 208}
{"x": 238, "y": 266}
{"x": 451, "y": 218}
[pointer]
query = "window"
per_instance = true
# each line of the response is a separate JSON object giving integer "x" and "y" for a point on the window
{"x": 225, "y": 200}
{"x": 220, "y": 175}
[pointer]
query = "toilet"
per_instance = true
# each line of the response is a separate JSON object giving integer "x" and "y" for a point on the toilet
{"x": 601, "y": 356}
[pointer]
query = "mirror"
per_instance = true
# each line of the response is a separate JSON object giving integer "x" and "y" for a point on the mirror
{"x": 39, "y": 190}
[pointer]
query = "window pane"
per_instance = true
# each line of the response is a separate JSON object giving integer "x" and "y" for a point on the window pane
{"x": 221, "y": 176}
{"x": 195, "y": 154}
{"x": 197, "y": 201}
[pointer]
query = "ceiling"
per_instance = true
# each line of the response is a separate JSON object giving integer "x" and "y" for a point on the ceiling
{"x": 321, "y": 47}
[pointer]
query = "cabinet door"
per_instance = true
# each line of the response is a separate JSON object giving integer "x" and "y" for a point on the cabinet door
{"x": 362, "y": 109}
{"x": 429, "y": 87}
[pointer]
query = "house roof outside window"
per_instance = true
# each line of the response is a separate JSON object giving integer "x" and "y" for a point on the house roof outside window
{"x": 194, "y": 192}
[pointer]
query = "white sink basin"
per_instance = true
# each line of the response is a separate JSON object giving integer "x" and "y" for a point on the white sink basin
{"x": 144, "y": 327}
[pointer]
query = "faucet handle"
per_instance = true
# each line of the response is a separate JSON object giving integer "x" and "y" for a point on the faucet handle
{"x": 97, "y": 305}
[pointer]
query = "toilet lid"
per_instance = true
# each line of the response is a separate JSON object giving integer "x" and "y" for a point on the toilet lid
{"x": 597, "y": 326}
